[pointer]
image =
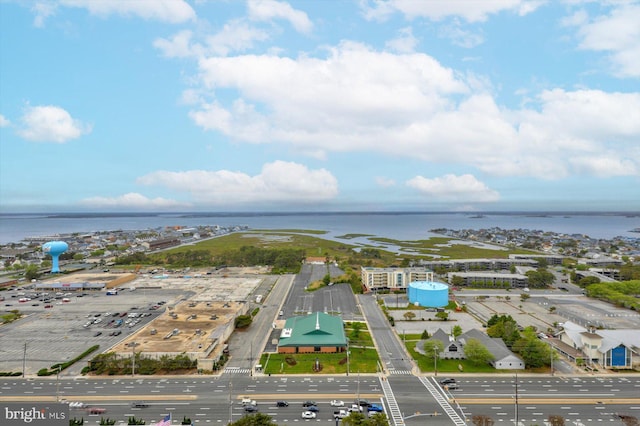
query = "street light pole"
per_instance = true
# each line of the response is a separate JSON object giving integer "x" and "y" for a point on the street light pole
{"x": 435, "y": 362}
{"x": 230, "y": 401}
{"x": 347, "y": 357}
{"x": 58, "y": 384}
{"x": 516, "y": 400}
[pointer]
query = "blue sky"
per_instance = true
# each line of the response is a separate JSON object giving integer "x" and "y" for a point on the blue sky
{"x": 383, "y": 105}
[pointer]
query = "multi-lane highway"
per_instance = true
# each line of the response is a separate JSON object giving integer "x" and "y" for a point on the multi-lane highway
{"x": 420, "y": 400}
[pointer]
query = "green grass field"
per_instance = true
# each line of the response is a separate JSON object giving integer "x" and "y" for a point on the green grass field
{"x": 360, "y": 361}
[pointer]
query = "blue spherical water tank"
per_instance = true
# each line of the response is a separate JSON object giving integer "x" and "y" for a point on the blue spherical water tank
{"x": 55, "y": 249}
{"x": 429, "y": 294}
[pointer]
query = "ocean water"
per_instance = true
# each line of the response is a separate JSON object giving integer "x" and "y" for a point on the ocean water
{"x": 397, "y": 225}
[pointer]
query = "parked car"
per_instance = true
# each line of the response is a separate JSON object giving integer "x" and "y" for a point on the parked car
{"x": 282, "y": 404}
{"x": 447, "y": 381}
{"x": 308, "y": 403}
{"x": 337, "y": 403}
{"x": 308, "y": 415}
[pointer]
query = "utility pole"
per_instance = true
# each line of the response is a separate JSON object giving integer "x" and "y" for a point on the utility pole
{"x": 347, "y": 357}
{"x": 516, "y": 400}
{"x": 58, "y": 384}
{"x": 435, "y": 361}
{"x": 24, "y": 361}
{"x": 133, "y": 359}
{"x": 230, "y": 401}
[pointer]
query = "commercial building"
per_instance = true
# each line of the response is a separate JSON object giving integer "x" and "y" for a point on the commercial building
{"x": 376, "y": 279}
{"x": 315, "y": 333}
{"x": 490, "y": 279}
{"x": 609, "y": 348}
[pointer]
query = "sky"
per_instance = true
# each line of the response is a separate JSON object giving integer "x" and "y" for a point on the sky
{"x": 319, "y": 105}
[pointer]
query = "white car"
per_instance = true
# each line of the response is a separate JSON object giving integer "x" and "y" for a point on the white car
{"x": 337, "y": 403}
{"x": 308, "y": 415}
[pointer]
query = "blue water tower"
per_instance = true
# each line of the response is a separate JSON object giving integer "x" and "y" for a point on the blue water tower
{"x": 55, "y": 249}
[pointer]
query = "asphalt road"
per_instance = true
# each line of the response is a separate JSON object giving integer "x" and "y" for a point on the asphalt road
{"x": 393, "y": 355}
{"x": 246, "y": 346}
{"x": 216, "y": 399}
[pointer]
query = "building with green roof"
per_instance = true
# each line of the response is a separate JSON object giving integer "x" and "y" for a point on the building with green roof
{"x": 315, "y": 333}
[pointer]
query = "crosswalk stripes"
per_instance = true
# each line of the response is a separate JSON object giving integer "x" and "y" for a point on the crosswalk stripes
{"x": 400, "y": 372}
{"x": 237, "y": 370}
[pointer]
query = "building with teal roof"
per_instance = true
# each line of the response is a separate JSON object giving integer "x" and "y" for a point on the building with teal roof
{"x": 315, "y": 333}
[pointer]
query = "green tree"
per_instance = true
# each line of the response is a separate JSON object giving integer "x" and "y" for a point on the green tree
{"x": 409, "y": 315}
{"x": 257, "y": 419}
{"x": 456, "y": 331}
{"x": 444, "y": 316}
{"x": 524, "y": 297}
{"x": 457, "y": 280}
{"x": 31, "y": 272}
{"x": 477, "y": 353}
{"x": 243, "y": 321}
{"x": 326, "y": 279}
{"x": 433, "y": 348}
{"x": 534, "y": 352}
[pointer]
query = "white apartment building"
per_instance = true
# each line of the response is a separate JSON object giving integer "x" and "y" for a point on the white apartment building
{"x": 376, "y": 279}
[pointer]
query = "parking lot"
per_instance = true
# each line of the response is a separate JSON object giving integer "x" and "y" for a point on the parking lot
{"x": 75, "y": 321}
{"x": 533, "y": 312}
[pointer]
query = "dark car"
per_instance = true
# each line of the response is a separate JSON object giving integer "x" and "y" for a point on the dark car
{"x": 309, "y": 404}
{"x": 313, "y": 408}
{"x": 376, "y": 408}
{"x": 139, "y": 404}
{"x": 363, "y": 403}
{"x": 250, "y": 408}
{"x": 282, "y": 404}
{"x": 447, "y": 381}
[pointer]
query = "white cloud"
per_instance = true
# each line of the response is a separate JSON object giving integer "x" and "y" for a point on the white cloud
{"x": 279, "y": 181}
{"x": 404, "y": 43}
{"x": 178, "y": 46}
{"x": 409, "y": 105}
{"x": 459, "y": 36}
{"x": 464, "y": 188}
{"x": 51, "y": 124}
{"x": 131, "y": 200}
{"x": 171, "y": 11}
{"x": 436, "y": 10}
{"x": 42, "y": 11}
{"x": 605, "y": 166}
{"x": 235, "y": 36}
{"x": 4, "y": 121}
{"x": 266, "y": 10}
{"x": 618, "y": 34}
{"x": 385, "y": 182}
